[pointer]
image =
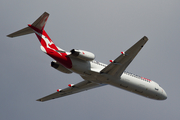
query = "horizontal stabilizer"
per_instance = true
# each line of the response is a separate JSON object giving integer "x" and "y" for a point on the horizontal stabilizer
{"x": 23, "y": 31}
{"x": 39, "y": 24}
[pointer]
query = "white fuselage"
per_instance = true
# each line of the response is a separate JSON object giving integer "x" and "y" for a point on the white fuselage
{"x": 127, "y": 81}
{"x": 94, "y": 73}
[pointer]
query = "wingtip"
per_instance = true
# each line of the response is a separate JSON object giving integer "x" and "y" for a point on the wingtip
{"x": 46, "y": 13}
{"x": 9, "y": 36}
{"x": 145, "y": 38}
{"x": 40, "y": 100}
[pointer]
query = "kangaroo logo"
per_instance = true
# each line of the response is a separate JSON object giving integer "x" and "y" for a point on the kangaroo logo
{"x": 47, "y": 41}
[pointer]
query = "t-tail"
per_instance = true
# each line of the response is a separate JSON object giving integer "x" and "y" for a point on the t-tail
{"x": 38, "y": 28}
{"x": 47, "y": 44}
{"x": 39, "y": 24}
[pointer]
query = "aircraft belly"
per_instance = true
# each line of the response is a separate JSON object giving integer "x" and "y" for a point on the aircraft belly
{"x": 130, "y": 84}
{"x": 91, "y": 72}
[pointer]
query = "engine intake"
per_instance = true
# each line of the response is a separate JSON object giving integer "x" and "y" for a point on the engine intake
{"x": 84, "y": 55}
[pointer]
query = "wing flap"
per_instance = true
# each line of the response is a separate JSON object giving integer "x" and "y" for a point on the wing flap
{"x": 79, "y": 87}
{"x": 117, "y": 67}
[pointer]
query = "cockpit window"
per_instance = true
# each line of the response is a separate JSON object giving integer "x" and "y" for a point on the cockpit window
{"x": 156, "y": 89}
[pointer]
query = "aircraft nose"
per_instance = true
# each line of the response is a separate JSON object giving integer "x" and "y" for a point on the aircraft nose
{"x": 164, "y": 95}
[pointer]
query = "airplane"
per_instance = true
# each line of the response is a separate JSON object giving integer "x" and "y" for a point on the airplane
{"x": 94, "y": 73}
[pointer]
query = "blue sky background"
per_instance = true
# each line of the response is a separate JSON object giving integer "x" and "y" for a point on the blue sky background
{"x": 103, "y": 27}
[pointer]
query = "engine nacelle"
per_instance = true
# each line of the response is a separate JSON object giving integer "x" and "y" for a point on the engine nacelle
{"x": 59, "y": 67}
{"x": 84, "y": 55}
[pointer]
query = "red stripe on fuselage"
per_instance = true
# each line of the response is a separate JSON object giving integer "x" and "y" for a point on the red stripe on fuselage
{"x": 51, "y": 48}
{"x": 145, "y": 79}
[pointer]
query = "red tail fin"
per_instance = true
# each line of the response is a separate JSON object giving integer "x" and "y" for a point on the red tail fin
{"x": 37, "y": 27}
{"x": 47, "y": 44}
{"x": 43, "y": 37}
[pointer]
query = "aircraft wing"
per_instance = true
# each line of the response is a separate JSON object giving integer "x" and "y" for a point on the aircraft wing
{"x": 117, "y": 67}
{"x": 79, "y": 87}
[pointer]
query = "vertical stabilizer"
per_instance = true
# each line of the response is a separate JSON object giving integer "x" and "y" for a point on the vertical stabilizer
{"x": 41, "y": 21}
{"x": 47, "y": 44}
